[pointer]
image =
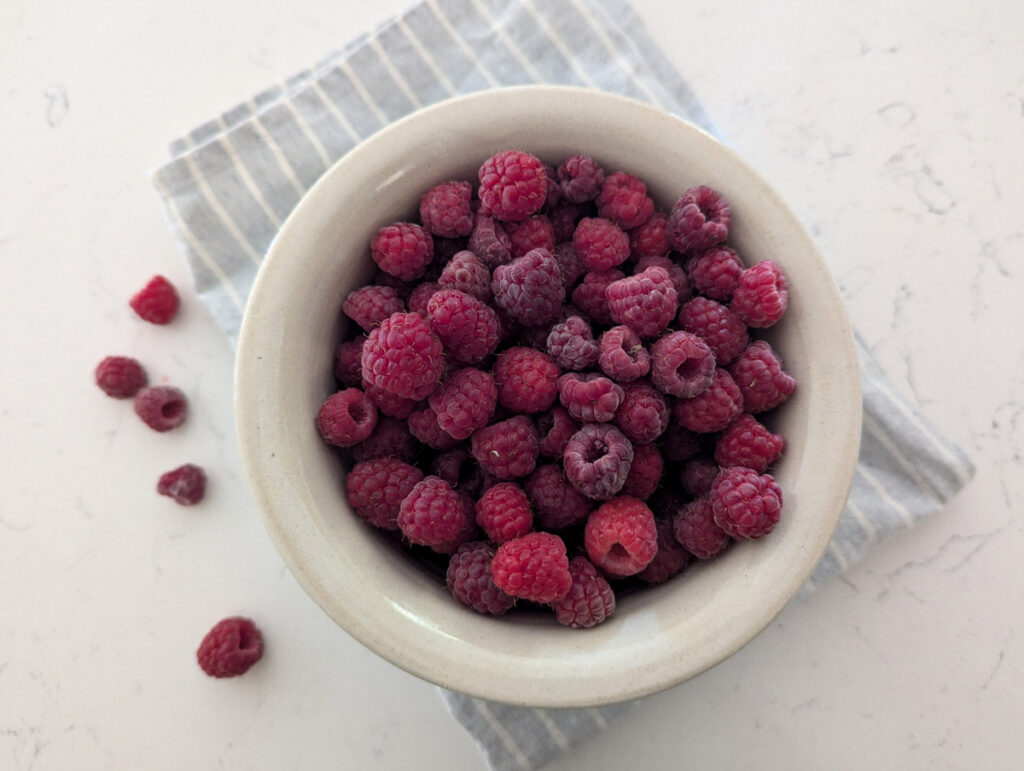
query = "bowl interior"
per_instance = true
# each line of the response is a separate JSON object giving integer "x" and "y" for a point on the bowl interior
{"x": 657, "y": 637}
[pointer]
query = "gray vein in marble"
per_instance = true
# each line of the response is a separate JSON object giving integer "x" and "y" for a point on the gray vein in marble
{"x": 57, "y": 107}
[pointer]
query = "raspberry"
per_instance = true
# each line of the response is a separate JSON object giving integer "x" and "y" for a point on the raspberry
{"x": 675, "y": 272}
{"x": 695, "y": 529}
{"x": 526, "y": 379}
{"x": 513, "y": 185}
{"x": 402, "y": 288}
{"x": 589, "y": 295}
{"x": 679, "y": 443}
{"x": 555, "y": 427}
{"x": 650, "y": 239}
{"x": 621, "y": 355}
{"x": 348, "y": 366}
{"x": 504, "y": 512}
{"x": 621, "y": 537}
{"x": 670, "y": 558}
{"x": 597, "y": 460}
{"x": 432, "y": 514}
{"x": 682, "y": 364}
{"x": 697, "y": 475}
{"x": 572, "y": 345}
{"x": 665, "y": 502}
{"x": 746, "y": 504}
{"x": 565, "y": 217}
{"x": 346, "y": 418}
{"x": 464, "y": 402}
{"x": 624, "y": 201}
{"x": 403, "y": 356}
{"x": 569, "y": 263}
{"x": 230, "y": 648}
{"x": 699, "y": 220}
{"x": 758, "y": 373}
{"x": 646, "y": 302}
{"x": 402, "y": 249}
{"x": 580, "y": 178}
{"x": 459, "y": 469}
{"x": 490, "y": 242}
{"x": 556, "y": 503}
{"x": 590, "y": 398}
{"x": 120, "y": 376}
{"x": 600, "y": 244}
{"x": 467, "y": 273}
{"x": 469, "y": 529}
{"x": 470, "y": 581}
{"x": 507, "y": 449}
{"x": 532, "y": 233}
{"x": 370, "y": 305}
{"x": 554, "y": 194}
{"x": 424, "y": 425}
{"x": 590, "y": 599}
{"x": 645, "y": 472}
{"x": 715, "y": 272}
{"x": 722, "y": 329}
{"x": 761, "y": 297}
{"x": 714, "y": 408}
{"x": 467, "y": 328}
{"x": 185, "y": 484}
{"x": 157, "y": 302}
{"x": 529, "y": 289}
{"x": 746, "y": 442}
{"x": 643, "y": 414}
{"x": 420, "y": 296}
{"x": 444, "y": 250}
{"x": 445, "y": 209}
{"x": 390, "y": 437}
{"x": 388, "y": 403}
{"x": 376, "y": 488}
{"x": 534, "y": 567}
{"x": 161, "y": 407}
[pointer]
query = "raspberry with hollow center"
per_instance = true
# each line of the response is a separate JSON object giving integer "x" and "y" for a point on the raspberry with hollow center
{"x": 534, "y": 567}
{"x": 759, "y": 375}
{"x": 504, "y": 512}
{"x": 622, "y": 356}
{"x": 370, "y": 305}
{"x": 464, "y": 402}
{"x": 120, "y": 376}
{"x": 682, "y": 364}
{"x": 490, "y": 241}
{"x": 746, "y": 504}
{"x": 466, "y": 272}
{"x": 590, "y": 599}
{"x": 600, "y": 244}
{"x": 556, "y": 503}
{"x": 376, "y": 488}
{"x": 670, "y": 558}
{"x": 470, "y": 581}
{"x": 761, "y": 295}
{"x": 721, "y": 328}
{"x": 346, "y": 418}
{"x": 402, "y": 249}
{"x": 580, "y": 178}
{"x": 589, "y": 398}
{"x": 715, "y": 272}
{"x": 390, "y": 437}
{"x": 157, "y": 302}
{"x": 185, "y": 484}
{"x": 534, "y": 232}
{"x": 589, "y": 295}
{"x": 513, "y": 185}
{"x": 466, "y": 327}
{"x": 445, "y": 209}
{"x": 506, "y": 449}
{"x": 597, "y": 460}
{"x": 620, "y": 537}
{"x": 433, "y": 514}
{"x": 572, "y": 345}
{"x": 712, "y": 409}
{"x": 230, "y": 648}
{"x": 162, "y": 408}
{"x": 700, "y": 219}
{"x": 403, "y": 356}
{"x": 643, "y": 414}
{"x": 527, "y": 379}
{"x": 695, "y": 528}
{"x": 747, "y": 442}
{"x": 529, "y": 289}
{"x": 623, "y": 200}
{"x": 645, "y": 472}
{"x": 645, "y": 302}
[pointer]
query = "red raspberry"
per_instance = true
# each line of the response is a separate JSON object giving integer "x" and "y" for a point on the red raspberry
{"x": 746, "y": 504}
{"x": 759, "y": 375}
{"x": 624, "y": 201}
{"x": 120, "y": 376}
{"x": 761, "y": 297}
{"x": 157, "y": 302}
{"x": 467, "y": 273}
{"x": 645, "y": 472}
{"x": 490, "y": 242}
{"x": 388, "y": 403}
{"x": 600, "y": 244}
{"x": 513, "y": 185}
{"x": 679, "y": 443}
{"x": 697, "y": 475}
{"x": 589, "y": 295}
{"x": 185, "y": 484}
{"x": 589, "y": 398}
{"x": 507, "y": 449}
{"x": 580, "y": 178}
{"x": 529, "y": 289}
{"x": 376, "y": 488}
{"x": 403, "y": 356}
{"x": 424, "y": 425}
{"x": 420, "y": 296}
{"x": 675, "y": 272}
{"x": 161, "y": 407}
{"x": 433, "y": 514}
{"x": 565, "y": 217}
{"x": 746, "y": 442}
{"x": 445, "y": 209}
{"x": 348, "y": 367}
{"x": 696, "y": 530}
{"x": 650, "y": 239}
{"x": 621, "y": 355}
{"x": 526, "y": 379}
{"x": 555, "y": 427}
{"x": 464, "y": 402}
{"x": 722, "y": 329}
{"x": 597, "y": 460}
{"x": 467, "y": 328}
{"x": 459, "y": 469}
{"x": 682, "y": 364}
{"x": 670, "y": 558}
{"x": 556, "y": 503}
{"x": 390, "y": 437}
{"x": 699, "y": 220}
{"x": 402, "y": 249}
{"x": 646, "y": 302}
{"x": 568, "y": 263}
{"x": 621, "y": 537}
{"x": 643, "y": 415}
{"x": 572, "y": 345}
{"x": 534, "y": 567}
{"x": 532, "y": 233}
{"x": 590, "y": 599}
{"x": 715, "y": 272}
{"x": 504, "y": 512}
{"x": 230, "y": 648}
{"x": 370, "y": 305}
{"x": 712, "y": 409}
{"x": 470, "y": 581}
{"x": 554, "y": 195}
{"x": 469, "y": 529}
{"x": 346, "y": 418}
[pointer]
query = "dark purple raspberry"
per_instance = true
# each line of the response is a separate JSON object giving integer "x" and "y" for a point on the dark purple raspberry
{"x": 445, "y": 209}
{"x": 348, "y": 367}
{"x": 554, "y": 196}
{"x": 580, "y": 178}
{"x": 696, "y": 530}
{"x": 185, "y": 484}
{"x": 370, "y": 305}
{"x": 697, "y": 475}
{"x": 388, "y": 403}
{"x": 402, "y": 288}
{"x": 589, "y": 398}
{"x": 507, "y": 449}
{"x": 162, "y": 408}
{"x": 470, "y": 581}
{"x": 682, "y": 364}
{"x": 532, "y": 233}
{"x": 120, "y": 376}
{"x": 712, "y": 409}
{"x": 529, "y": 289}
{"x": 458, "y": 468}
{"x": 467, "y": 273}
{"x": 465, "y": 401}
{"x": 597, "y": 460}
{"x": 759, "y": 375}
{"x": 513, "y": 185}
{"x": 675, "y": 272}
{"x": 157, "y": 302}
{"x": 746, "y": 442}
{"x": 665, "y": 502}
{"x": 490, "y": 242}
{"x": 679, "y": 443}
{"x": 722, "y": 329}
{"x": 424, "y": 425}
{"x": 761, "y": 295}
{"x": 564, "y": 219}
{"x": 556, "y": 503}
{"x": 715, "y": 272}
{"x": 746, "y": 504}
{"x": 346, "y": 418}
{"x": 376, "y": 488}
{"x": 420, "y": 296}
{"x": 645, "y": 472}
{"x": 670, "y": 558}
{"x": 650, "y": 239}
{"x": 643, "y": 414}
{"x": 403, "y": 356}
{"x": 600, "y": 244}
{"x": 527, "y": 379}
{"x": 390, "y": 437}
{"x": 534, "y": 567}
{"x": 555, "y": 427}
{"x": 590, "y": 599}
{"x": 466, "y": 327}
{"x": 568, "y": 263}
{"x": 699, "y": 220}
{"x": 572, "y": 345}
{"x": 230, "y": 648}
{"x": 589, "y": 295}
{"x": 622, "y": 356}
{"x": 620, "y": 537}
{"x": 432, "y": 514}
{"x": 504, "y": 512}
{"x": 646, "y": 302}
{"x": 402, "y": 249}
{"x": 624, "y": 201}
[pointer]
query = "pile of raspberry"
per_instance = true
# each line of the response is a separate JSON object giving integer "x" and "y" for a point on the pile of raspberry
{"x": 552, "y": 390}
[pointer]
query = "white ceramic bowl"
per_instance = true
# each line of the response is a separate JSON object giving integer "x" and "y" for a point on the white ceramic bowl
{"x": 657, "y": 637}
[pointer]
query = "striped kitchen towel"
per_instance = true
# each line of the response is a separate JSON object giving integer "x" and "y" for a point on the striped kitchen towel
{"x": 231, "y": 182}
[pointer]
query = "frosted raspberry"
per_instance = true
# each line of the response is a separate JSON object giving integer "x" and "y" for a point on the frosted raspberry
{"x": 600, "y": 244}
{"x": 230, "y": 648}
{"x": 759, "y": 375}
{"x": 420, "y": 296}
{"x": 699, "y": 220}
{"x": 504, "y": 512}
{"x": 555, "y": 427}
{"x": 650, "y": 239}
{"x": 490, "y": 242}
{"x": 507, "y": 449}
{"x": 388, "y": 403}
{"x": 624, "y": 201}
{"x": 162, "y": 408}
{"x": 597, "y": 460}
{"x": 376, "y": 488}
{"x": 445, "y": 209}
{"x": 761, "y": 296}
{"x": 120, "y": 376}
{"x": 185, "y": 484}
{"x": 568, "y": 263}
{"x": 746, "y": 504}
{"x": 675, "y": 272}
{"x": 403, "y": 356}
{"x": 589, "y": 295}
{"x": 527, "y": 380}
{"x": 464, "y": 402}
{"x": 645, "y": 472}
{"x": 529, "y": 289}
{"x": 565, "y": 217}
{"x": 621, "y": 537}
{"x": 712, "y": 409}
{"x": 646, "y": 302}
{"x": 722, "y": 329}
{"x": 697, "y": 475}
{"x": 682, "y": 364}
{"x": 346, "y": 418}
{"x": 695, "y": 529}
{"x": 679, "y": 443}
{"x": 715, "y": 272}
{"x": 590, "y": 599}
{"x": 370, "y": 305}
{"x": 402, "y": 249}
{"x": 580, "y": 177}
{"x": 670, "y": 558}
{"x": 467, "y": 328}
{"x": 513, "y": 185}
{"x": 534, "y": 567}
{"x": 643, "y": 414}
{"x": 572, "y": 345}
{"x": 532, "y": 233}
{"x": 470, "y": 581}
{"x": 157, "y": 302}
{"x": 432, "y": 514}
{"x": 390, "y": 437}
{"x": 622, "y": 356}
{"x": 424, "y": 425}
{"x": 746, "y": 442}
{"x": 459, "y": 469}
{"x": 467, "y": 273}
{"x": 556, "y": 503}
{"x": 589, "y": 398}
{"x": 348, "y": 367}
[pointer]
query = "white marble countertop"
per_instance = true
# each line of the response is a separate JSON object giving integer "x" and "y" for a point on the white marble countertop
{"x": 896, "y": 133}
